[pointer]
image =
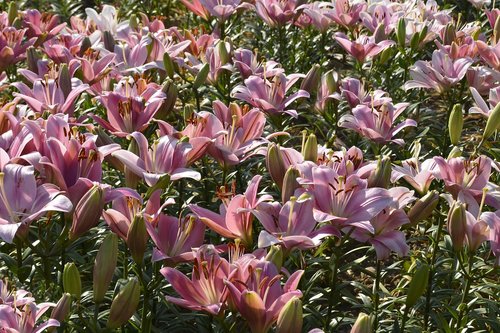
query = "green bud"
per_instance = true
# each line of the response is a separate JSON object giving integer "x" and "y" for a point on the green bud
{"x": 65, "y": 80}
{"x": 385, "y": 55}
{"x": 170, "y": 90}
{"x": 290, "y": 317}
{"x": 417, "y": 285}
{"x": 275, "y": 164}
{"x": 12, "y": 12}
{"x": 311, "y": 81}
{"x": 188, "y": 112}
{"x": 423, "y": 35}
{"x": 169, "y": 65}
{"x": 32, "y": 59}
{"x": 104, "y": 266}
{"x": 131, "y": 179}
{"x": 423, "y": 207}
{"x": 275, "y": 255}
{"x": 311, "y": 149}
{"x": 201, "y": 77}
{"x": 72, "y": 283}
{"x": 223, "y": 53}
{"x": 401, "y": 32}
{"x": 457, "y": 225}
{"x": 87, "y": 212}
{"x": 86, "y": 44}
{"x": 379, "y": 33}
{"x": 381, "y": 176}
{"x": 414, "y": 41}
{"x": 363, "y": 324}
{"x": 496, "y": 31}
{"x": 124, "y": 304}
{"x": 137, "y": 238}
{"x": 455, "y": 152}
{"x": 133, "y": 21}
{"x": 449, "y": 34}
{"x": 456, "y": 124}
{"x": 493, "y": 123}
{"x": 290, "y": 184}
{"x": 109, "y": 41}
{"x": 61, "y": 310}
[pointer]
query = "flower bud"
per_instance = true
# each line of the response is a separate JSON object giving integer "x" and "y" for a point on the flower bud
{"x": 170, "y": 90}
{"x": 223, "y": 53}
{"x": 456, "y": 124}
{"x": 61, "y": 310}
{"x": 414, "y": 41}
{"x": 381, "y": 176}
{"x": 423, "y": 207}
{"x": 379, "y": 33}
{"x": 275, "y": 164}
{"x": 137, "y": 237}
{"x": 363, "y": 324}
{"x": 104, "y": 266}
{"x": 417, "y": 285}
{"x": 32, "y": 59}
{"x": 86, "y": 44}
{"x": 12, "y": 12}
{"x": 275, "y": 255}
{"x": 64, "y": 80}
{"x": 133, "y": 21}
{"x": 72, "y": 283}
{"x": 169, "y": 65}
{"x": 109, "y": 41}
{"x": 332, "y": 81}
{"x": 496, "y": 31}
{"x": 201, "y": 77}
{"x": 457, "y": 224}
{"x": 449, "y": 34}
{"x": 401, "y": 32}
{"x": 311, "y": 81}
{"x": 87, "y": 211}
{"x": 131, "y": 179}
{"x": 290, "y": 184}
{"x": 455, "y": 152}
{"x": 310, "y": 152}
{"x": 290, "y": 317}
{"x": 124, "y": 304}
{"x": 385, "y": 55}
{"x": 493, "y": 123}
{"x": 422, "y": 36}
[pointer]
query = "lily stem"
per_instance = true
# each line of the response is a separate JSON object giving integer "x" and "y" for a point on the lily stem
{"x": 376, "y": 296}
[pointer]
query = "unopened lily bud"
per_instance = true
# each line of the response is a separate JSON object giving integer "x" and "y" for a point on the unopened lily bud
{"x": 131, "y": 179}
{"x": 275, "y": 164}
{"x": 414, "y": 41}
{"x": 124, "y": 304}
{"x": 401, "y": 32}
{"x": 223, "y": 52}
{"x": 455, "y": 152}
{"x": 109, "y": 41}
{"x": 61, "y": 310}
{"x": 457, "y": 224}
{"x": 311, "y": 81}
{"x": 422, "y": 35}
{"x": 275, "y": 255}
{"x": 455, "y": 124}
{"x": 169, "y": 65}
{"x": 87, "y": 212}
{"x": 12, "y": 12}
{"x": 379, "y": 33}
{"x": 86, "y": 44}
{"x": 32, "y": 59}
{"x": 201, "y": 77}
{"x": 137, "y": 238}
{"x": 64, "y": 80}
{"x": 133, "y": 21}
{"x": 188, "y": 112}
{"x": 363, "y": 324}
{"x": 417, "y": 285}
{"x": 290, "y": 317}
{"x": 423, "y": 207}
{"x": 496, "y": 31}
{"x": 72, "y": 283}
{"x": 170, "y": 90}
{"x": 449, "y": 34}
{"x": 381, "y": 176}
{"x": 310, "y": 152}
{"x": 332, "y": 81}
{"x": 290, "y": 184}
{"x": 493, "y": 123}
{"x": 385, "y": 55}
{"x": 104, "y": 266}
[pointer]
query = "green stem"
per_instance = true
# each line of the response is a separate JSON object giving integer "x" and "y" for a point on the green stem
{"x": 405, "y": 318}
{"x": 125, "y": 263}
{"x": 376, "y": 296}
{"x": 335, "y": 261}
{"x": 468, "y": 282}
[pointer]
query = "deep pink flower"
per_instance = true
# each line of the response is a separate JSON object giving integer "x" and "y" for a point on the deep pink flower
{"x": 22, "y": 201}
{"x": 346, "y": 14}
{"x": 363, "y": 47}
{"x": 269, "y": 96}
{"x": 274, "y": 12}
{"x": 44, "y": 26}
{"x": 248, "y": 64}
{"x": 377, "y": 124}
{"x": 318, "y": 14}
{"x": 197, "y": 8}
{"x": 418, "y": 175}
{"x": 483, "y": 78}
{"x": 354, "y": 93}
{"x": 14, "y": 321}
{"x": 12, "y": 46}
{"x": 222, "y": 9}
{"x": 167, "y": 156}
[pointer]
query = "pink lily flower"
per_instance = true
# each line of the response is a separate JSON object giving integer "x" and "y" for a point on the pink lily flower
{"x": 482, "y": 108}
{"x": 13, "y": 321}
{"x": 418, "y": 175}
{"x": 344, "y": 201}
{"x": 260, "y": 298}
{"x": 440, "y": 74}
{"x": 130, "y": 107}
{"x": 346, "y": 14}
{"x": 197, "y": 8}
{"x": 12, "y": 46}
{"x": 63, "y": 48}
{"x": 493, "y": 220}
{"x": 317, "y": 12}
{"x": 235, "y": 218}
{"x": 222, "y": 9}
{"x": 363, "y": 47}
{"x": 379, "y": 14}
{"x": 16, "y": 298}
{"x": 205, "y": 291}
{"x": 269, "y": 96}
{"x": 248, "y": 64}
{"x": 385, "y": 237}
{"x": 47, "y": 95}
{"x": 167, "y": 156}
{"x": 354, "y": 93}
{"x": 377, "y": 124}
{"x": 327, "y": 90}
{"x": 468, "y": 177}
{"x": 96, "y": 70}
{"x": 483, "y": 78}
{"x": 44, "y": 26}
{"x": 291, "y": 225}
{"x": 478, "y": 230}
{"x": 274, "y": 12}
{"x": 24, "y": 201}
